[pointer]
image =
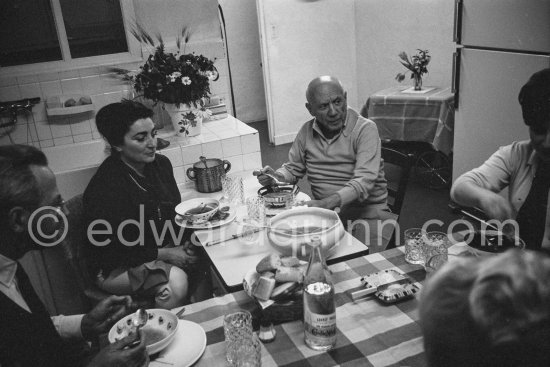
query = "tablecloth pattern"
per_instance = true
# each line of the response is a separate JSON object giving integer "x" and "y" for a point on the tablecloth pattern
{"x": 369, "y": 332}
{"x": 422, "y": 117}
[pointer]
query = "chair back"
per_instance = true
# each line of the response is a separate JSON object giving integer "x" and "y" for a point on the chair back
{"x": 397, "y": 167}
{"x": 74, "y": 250}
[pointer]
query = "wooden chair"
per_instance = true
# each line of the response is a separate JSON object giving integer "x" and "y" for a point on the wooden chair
{"x": 73, "y": 248}
{"x": 397, "y": 167}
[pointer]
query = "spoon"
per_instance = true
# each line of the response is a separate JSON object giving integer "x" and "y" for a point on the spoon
{"x": 139, "y": 320}
{"x": 277, "y": 182}
{"x": 203, "y": 160}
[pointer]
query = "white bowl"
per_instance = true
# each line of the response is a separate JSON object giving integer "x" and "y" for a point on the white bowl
{"x": 292, "y": 230}
{"x": 184, "y": 209}
{"x": 161, "y": 326}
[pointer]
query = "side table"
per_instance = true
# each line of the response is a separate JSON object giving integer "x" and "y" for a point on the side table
{"x": 427, "y": 117}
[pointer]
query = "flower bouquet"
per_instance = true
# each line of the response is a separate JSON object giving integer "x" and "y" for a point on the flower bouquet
{"x": 417, "y": 65}
{"x": 180, "y": 81}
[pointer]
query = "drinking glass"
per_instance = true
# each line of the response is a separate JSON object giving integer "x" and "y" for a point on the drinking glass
{"x": 435, "y": 246}
{"x": 233, "y": 189}
{"x": 414, "y": 246}
{"x": 237, "y": 328}
{"x": 247, "y": 353}
{"x": 255, "y": 207}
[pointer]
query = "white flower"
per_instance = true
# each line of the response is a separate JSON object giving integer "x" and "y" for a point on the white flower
{"x": 186, "y": 80}
{"x": 204, "y": 113}
{"x": 174, "y": 75}
{"x": 211, "y": 75}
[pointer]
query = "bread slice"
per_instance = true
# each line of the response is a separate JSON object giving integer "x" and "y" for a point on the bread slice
{"x": 269, "y": 263}
{"x": 263, "y": 288}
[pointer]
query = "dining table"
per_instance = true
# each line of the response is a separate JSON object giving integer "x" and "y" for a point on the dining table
{"x": 234, "y": 257}
{"x": 369, "y": 332}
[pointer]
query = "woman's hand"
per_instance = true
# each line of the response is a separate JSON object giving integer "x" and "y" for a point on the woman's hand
{"x": 179, "y": 256}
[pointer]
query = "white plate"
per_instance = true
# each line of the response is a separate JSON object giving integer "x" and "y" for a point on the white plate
{"x": 210, "y": 224}
{"x": 187, "y": 347}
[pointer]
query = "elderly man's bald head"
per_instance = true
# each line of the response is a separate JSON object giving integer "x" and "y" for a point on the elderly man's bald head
{"x": 321, "y": 81}
{"x": 327, "y": 102}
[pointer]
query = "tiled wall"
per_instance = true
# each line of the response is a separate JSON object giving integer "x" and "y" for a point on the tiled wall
{"x": 104, "y": 87}
{"x": 228, "y": 139}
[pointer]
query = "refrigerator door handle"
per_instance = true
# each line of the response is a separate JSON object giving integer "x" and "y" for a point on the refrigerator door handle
{"x": 457, "y": 31}
{"x": 455, "y": 86}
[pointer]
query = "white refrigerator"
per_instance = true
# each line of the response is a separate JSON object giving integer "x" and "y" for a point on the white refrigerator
{"x": 500, "y": 44}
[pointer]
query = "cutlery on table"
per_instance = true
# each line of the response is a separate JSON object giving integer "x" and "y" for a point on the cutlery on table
{"x": 277, "y": 182}
{"x": 180, "y": 313}
{"x": 235, "y": 236}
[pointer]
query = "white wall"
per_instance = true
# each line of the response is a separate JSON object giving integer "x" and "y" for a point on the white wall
{"x": 383, "y": 29}
{"x": 243, "y": 45}
{"x": 168, "y": 16}
{"x": 387, "y": 27}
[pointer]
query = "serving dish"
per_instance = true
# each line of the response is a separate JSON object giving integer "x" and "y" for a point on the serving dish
{"x": 293, "y": 230}
{"x": 158, "y": 332}
{"x": 277, "y": 196}
{"x": 491, "y": 242}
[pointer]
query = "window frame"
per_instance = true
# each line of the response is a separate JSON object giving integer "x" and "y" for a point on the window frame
{"x": 134, "y": 53}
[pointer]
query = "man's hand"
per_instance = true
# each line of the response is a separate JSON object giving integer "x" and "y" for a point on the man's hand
{"x": 496, "y": 207}
{"x": 178, "y": 256}
{"x": 331, "y": 202}
{"x": 264, "y": 179}
{"x": 104, "y": 315}
{"x": 121, "y": 354}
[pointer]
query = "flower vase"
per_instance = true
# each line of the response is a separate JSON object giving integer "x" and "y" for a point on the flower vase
{"x": 185, "y": 119}
{"x": 417, "y": 82}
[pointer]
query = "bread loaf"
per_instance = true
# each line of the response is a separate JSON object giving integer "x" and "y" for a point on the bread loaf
{"x": 269, "y": 263}
{"x": 290, "y": 274}
{"x": 290, "y": 261}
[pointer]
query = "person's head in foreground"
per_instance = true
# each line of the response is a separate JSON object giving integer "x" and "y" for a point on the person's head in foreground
{"x": 491, "y": 312}
{"x": 326, "y": 101}
{"x": 31, "y": 208}
{"x": 534, "y": 98}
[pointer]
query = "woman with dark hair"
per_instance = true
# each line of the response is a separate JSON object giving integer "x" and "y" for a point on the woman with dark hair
{"x": 523, "y": 167}
{"x": 127, "y": 205}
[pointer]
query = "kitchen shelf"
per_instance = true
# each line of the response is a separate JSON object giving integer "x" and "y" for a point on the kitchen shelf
{"x": 55, "y": 105}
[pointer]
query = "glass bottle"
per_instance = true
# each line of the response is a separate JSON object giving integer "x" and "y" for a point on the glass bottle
{"x": 319, "y": 306}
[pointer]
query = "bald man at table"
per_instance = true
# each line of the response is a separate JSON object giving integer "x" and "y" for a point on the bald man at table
{"x": 340, "y": 151}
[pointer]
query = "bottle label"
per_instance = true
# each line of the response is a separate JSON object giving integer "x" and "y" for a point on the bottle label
{"x": 320, "y": 328}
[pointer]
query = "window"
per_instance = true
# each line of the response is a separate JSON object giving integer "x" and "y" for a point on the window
{"x": 37, "y": 31}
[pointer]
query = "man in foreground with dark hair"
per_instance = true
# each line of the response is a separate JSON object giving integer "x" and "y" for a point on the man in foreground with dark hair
{"x": 31, "y": 216}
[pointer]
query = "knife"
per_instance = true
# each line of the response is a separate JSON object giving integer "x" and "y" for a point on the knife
{"x": 235, "y": 236}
